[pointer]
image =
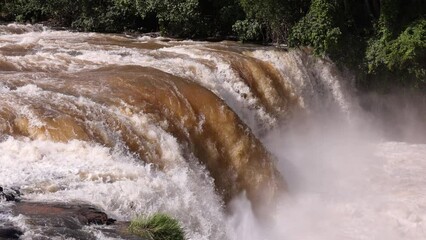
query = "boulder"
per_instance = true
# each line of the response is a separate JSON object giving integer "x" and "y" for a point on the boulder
{"x": 9, "y": 233}
{"x": 10, "y": 194}
{"x": 67, "y": 220}
{"x": 71, "y": 215}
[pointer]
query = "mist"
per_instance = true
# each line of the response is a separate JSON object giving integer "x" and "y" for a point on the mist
{"x": 349, "y": 176}
{"x": 89, "y": 117}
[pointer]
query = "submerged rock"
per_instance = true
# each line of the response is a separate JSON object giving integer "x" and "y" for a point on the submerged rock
{"x": 65, "y": 220}
{"x": 64, "y": 214}
{"x": 10, "y": 233}
{"x": 10, "y": 194}
{"x": 91, "y": 215}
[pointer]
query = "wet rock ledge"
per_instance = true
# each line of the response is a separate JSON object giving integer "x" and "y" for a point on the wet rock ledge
{"x": 47, "y": 220}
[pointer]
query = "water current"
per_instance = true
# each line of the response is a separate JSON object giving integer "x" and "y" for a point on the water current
{"x": 236, "y": 141}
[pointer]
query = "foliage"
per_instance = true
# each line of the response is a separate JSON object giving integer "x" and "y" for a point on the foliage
{"x": 194, "y": 18}
{"x": 399, "y": 44}
{"x": 275, "y": 16}
{"x": 176, "y": 17}
{"x": 382, "y": 40}
{"x": 179, "y": 18}
{"x": 407, "y": 51}
{"x": 86, "y": 15}
{"x": 157, "y": 227}
{"x": 107, "y": 16}
{"x": 318, "y": 28}
{"x": 248, "y": 30}
{"x": 25, "y": 10}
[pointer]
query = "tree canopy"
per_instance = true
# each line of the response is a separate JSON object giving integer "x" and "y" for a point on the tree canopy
{"x": 383, "y": 40}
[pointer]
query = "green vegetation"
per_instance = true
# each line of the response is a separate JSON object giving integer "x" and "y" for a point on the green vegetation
{"x": 383, "y": 41}
{"x": 276, "y": 17}
{"x": 83, "y": 15}
{"x": 177, "y": 18}
{"x": 318, "y": 28}
{"x": 399, "y": 44}
{"x": 157, "y": 227}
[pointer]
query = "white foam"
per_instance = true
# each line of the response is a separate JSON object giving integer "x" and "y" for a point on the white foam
{"x": 226, "y": 83}
{"x": 59, "y": 51}
{"x": 317, "y": 83}
{"x": 345, "y": 182}
{"x": 113, "y": 179}
{"x": 120, "y": 183}
{"x": 342, "y": 186}
{"x": 20, "y": 28}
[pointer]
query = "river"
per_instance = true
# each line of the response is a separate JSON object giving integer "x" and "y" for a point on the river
{"x": 236, "y": 141}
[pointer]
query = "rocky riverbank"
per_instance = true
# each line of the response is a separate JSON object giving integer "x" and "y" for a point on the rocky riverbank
{"x": 46, "y": 220}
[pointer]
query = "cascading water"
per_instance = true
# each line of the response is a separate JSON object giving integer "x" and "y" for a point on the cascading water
{"x": 201, "y": 131}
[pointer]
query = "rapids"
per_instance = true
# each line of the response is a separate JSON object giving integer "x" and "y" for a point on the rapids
{"x": 235, "y": 141}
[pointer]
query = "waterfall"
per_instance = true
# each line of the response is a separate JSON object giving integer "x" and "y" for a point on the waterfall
{"x": 235, "y": 141}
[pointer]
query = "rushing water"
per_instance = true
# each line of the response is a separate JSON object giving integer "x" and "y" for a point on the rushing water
{"x": 205, "y": 132}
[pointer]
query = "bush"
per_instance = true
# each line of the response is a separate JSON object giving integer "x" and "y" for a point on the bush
{"x": 397, "y": 50}
{"x": 157, "y": 227}
{"x": 193, "y": 18}
{"x": 248, "y": 30}
{"x": 383, "y": 41}
{"x": 397, "y": 54}
{"x": 276, "y": 17}
{"x": 107, "y": 16}
{"x": 318, "y": 28}
{"x": 21, "y": 10}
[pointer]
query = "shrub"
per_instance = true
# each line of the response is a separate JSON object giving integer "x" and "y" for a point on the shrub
{"x": 248, "y": 30}
{"x": 157, "y": 227}
{"x": 398, "y": 46}
{"x": 276, "y": 17}
{"x": 318, "y": 28}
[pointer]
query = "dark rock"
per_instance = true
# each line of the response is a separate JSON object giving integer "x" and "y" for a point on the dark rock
{"x": 10, "y": 194}
{"x": 70, "y": 215}
{"x": 68, "y": 220}
{"x": 90, "y": 215}
{"x": 64, "y": 233}
{"x": 10, "y": 233}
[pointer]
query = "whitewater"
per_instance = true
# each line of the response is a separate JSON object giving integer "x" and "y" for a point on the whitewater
{"x": 236, "y": 141}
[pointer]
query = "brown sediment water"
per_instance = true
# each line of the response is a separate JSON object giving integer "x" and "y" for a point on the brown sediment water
{"x": 143, "y": 125}
{"x": 59, "y": 89}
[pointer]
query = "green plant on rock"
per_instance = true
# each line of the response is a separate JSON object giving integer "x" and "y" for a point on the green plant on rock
{"x": 157, "y": 227}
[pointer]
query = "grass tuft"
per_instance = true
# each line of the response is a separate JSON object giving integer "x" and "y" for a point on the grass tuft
{"x": 157, "y": 227}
